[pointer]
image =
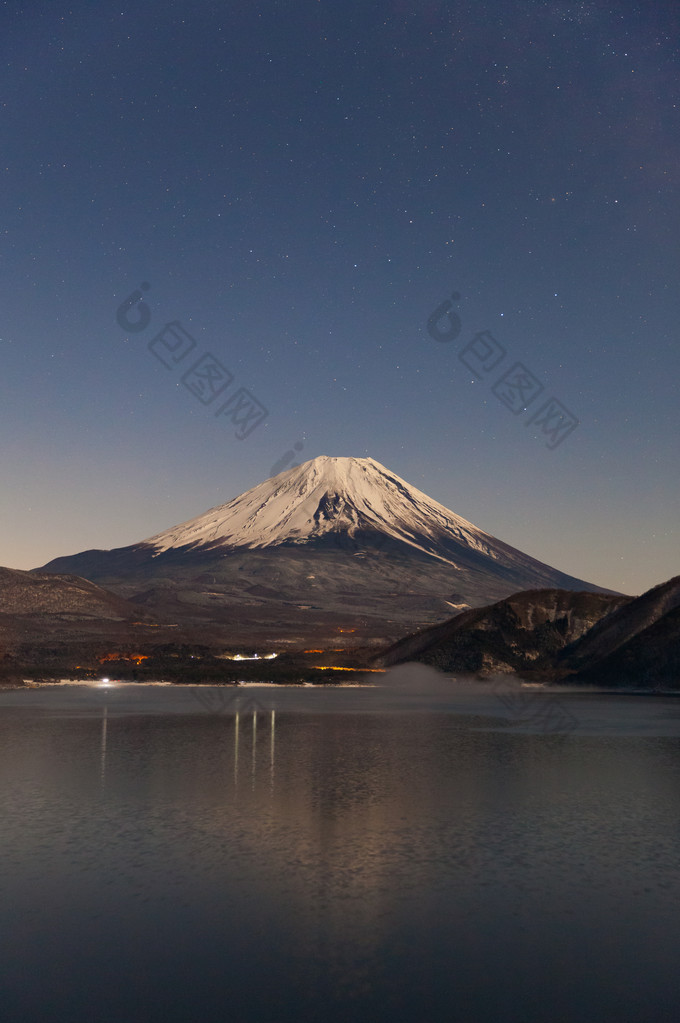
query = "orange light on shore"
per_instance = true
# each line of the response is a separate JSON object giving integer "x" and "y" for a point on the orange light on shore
{"x": 363, "y": 671}
{"x": 137, "y": 658}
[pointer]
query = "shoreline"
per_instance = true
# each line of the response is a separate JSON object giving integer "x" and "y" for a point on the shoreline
{"x": 456, "y": 687}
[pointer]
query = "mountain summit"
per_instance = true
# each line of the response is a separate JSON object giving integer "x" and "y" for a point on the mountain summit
{"x": 335, "y": 544}
{"x": 352, "y": 496}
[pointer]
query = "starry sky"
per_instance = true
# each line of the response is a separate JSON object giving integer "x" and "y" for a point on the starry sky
{"x": 444, "y": 235}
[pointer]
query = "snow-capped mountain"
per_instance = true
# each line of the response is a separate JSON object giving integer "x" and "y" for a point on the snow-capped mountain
{"x": 333, "y": 544}
{"x": 324, "y": 496}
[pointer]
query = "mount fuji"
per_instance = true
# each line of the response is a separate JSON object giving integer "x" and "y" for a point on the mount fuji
{"x": 332, "y": 545}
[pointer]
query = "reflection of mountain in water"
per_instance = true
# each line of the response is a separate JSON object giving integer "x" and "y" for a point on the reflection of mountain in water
{"x": 322, "y": 862}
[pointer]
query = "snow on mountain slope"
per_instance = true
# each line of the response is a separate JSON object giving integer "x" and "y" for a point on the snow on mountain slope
{"x": 335, "y": 543}
{"x": 329, "y": 495}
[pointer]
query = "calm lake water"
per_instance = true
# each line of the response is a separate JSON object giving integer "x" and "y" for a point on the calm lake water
{"x": 372, "y": 855}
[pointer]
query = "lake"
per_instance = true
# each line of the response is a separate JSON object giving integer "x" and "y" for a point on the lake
{"x": 409, "y": 852}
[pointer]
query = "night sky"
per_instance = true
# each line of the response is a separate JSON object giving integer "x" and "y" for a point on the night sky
{"x": 300, "y": 185}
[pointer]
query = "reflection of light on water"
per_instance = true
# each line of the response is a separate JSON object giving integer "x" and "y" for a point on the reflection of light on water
{"x": 271, "y": 751}
{"x": 105, "y": 722}
{"x": 236, "y": 722}
{"x": 254, "y": 748}
{"x": 253, "y": 755}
